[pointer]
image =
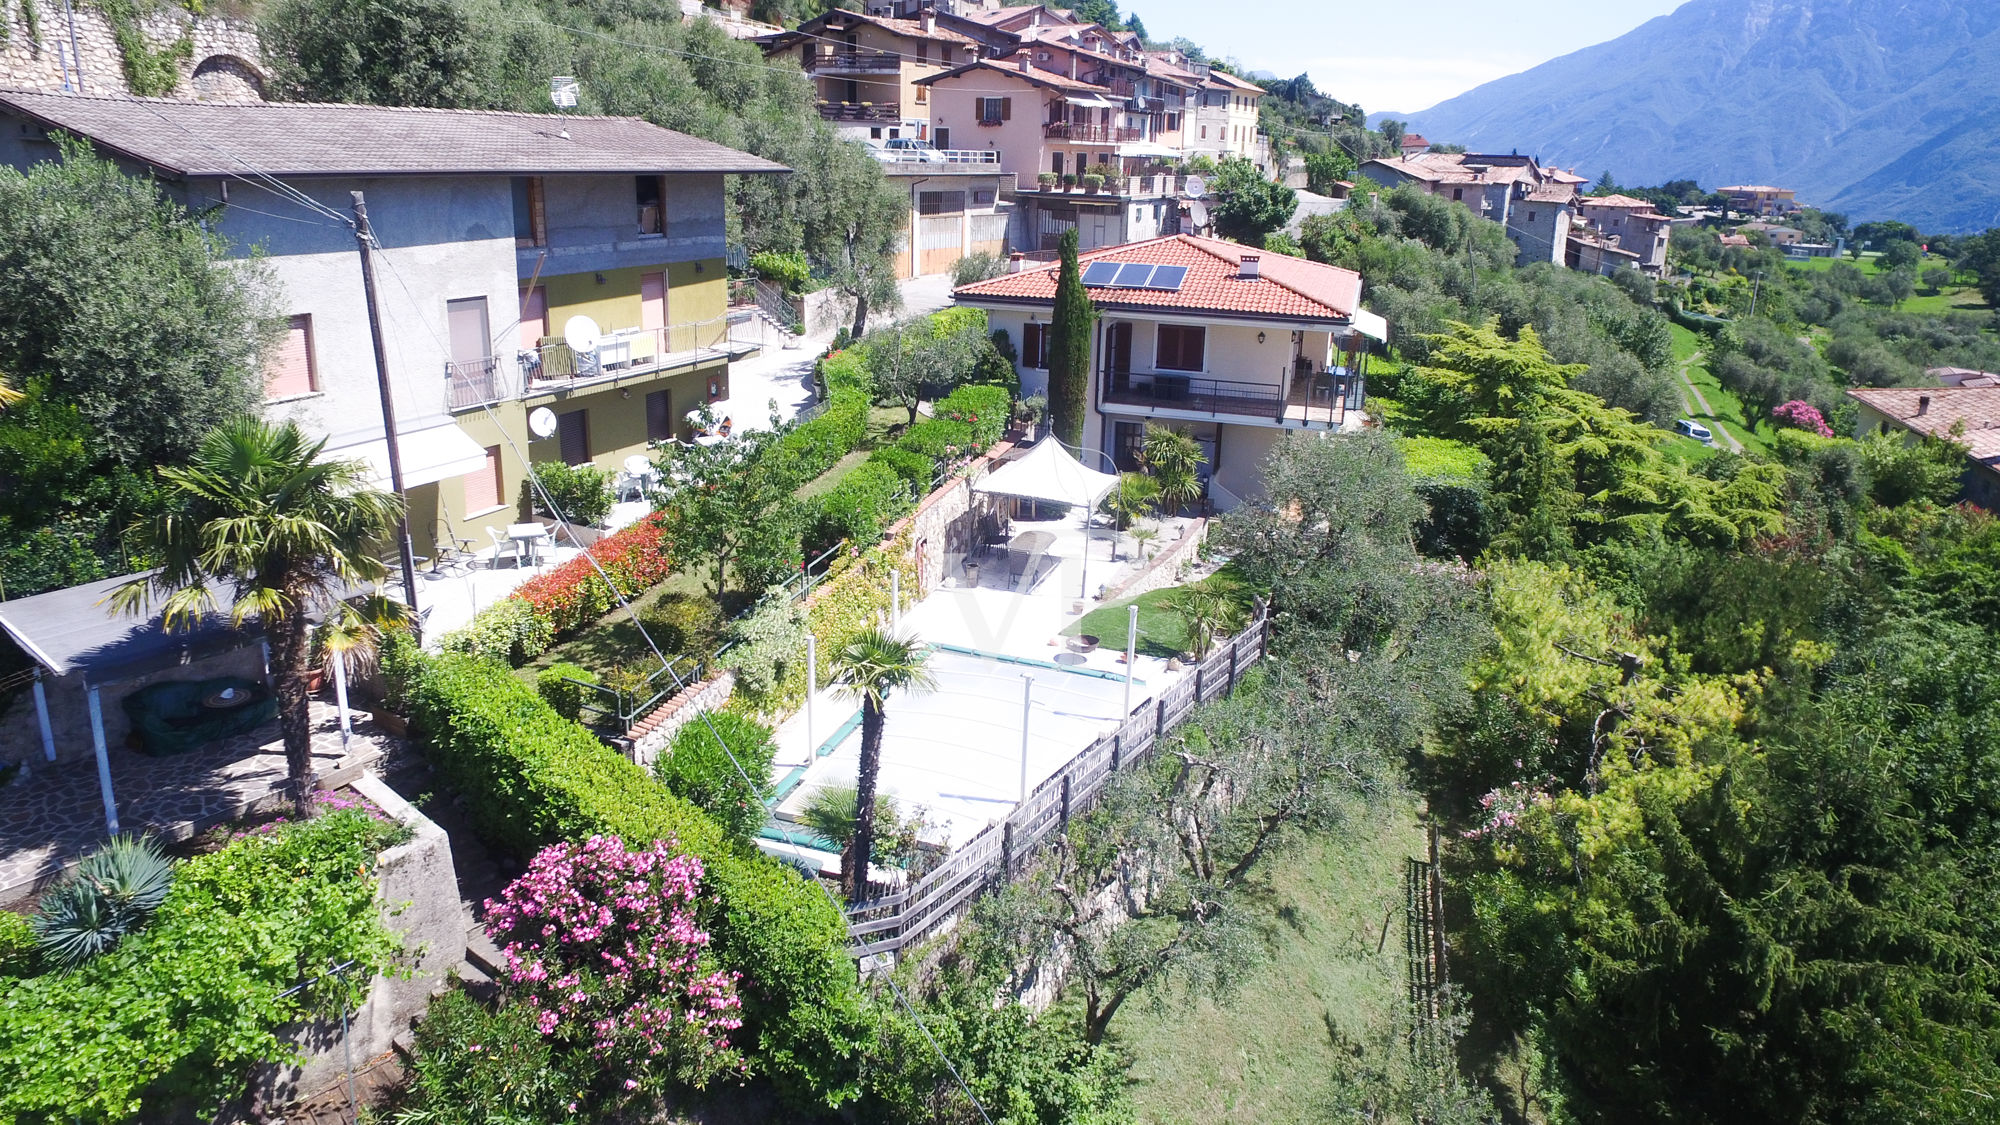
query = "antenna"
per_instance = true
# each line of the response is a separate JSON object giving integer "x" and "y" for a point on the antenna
{"x": 562, "y": 91}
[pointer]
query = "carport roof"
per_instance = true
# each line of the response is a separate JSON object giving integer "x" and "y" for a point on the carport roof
{"x": 74, "y": 631}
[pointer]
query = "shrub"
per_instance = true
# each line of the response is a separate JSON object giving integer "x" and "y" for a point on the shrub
{"x": 561, "y": 687}
{"x": 940, "y": 439}
{"x": 532, "y": 778}
{"x": 1047, "y": 179}
{"x": 473, "y": 1066}
{"x": 580, "y": 494}
{"x": 19, "y": 951}
{"x": 178, "y": 1012}
{"x": 858, "y": 508}
{"x": 984, "y": 408}
{"x": 768, "y": 641}
{"x": 698, "y": 769}
{"x": 914, "y": 468}
{"x": 788, "y": 270}
{"x": 572, "y": 595}
{"x": 510, "y": 630}
{"x": 812, "y": 447}
{"x": 607, "y": 946}
{"x": 1093, "y": 182}
{"x": 685, "y": 624}
{"x": 1803, "y": 416}
{"x": 109, "y": 895}
{"x": 977, "y": 267}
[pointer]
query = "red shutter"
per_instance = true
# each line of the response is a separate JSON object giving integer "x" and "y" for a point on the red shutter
{"x": 291, "y": 368}
{"x": 482, "y": 486}
{"x": 534, "y": 317}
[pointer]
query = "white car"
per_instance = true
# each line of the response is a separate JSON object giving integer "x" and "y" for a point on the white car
{"x": 909, "y": 150}
{"x": 1695, "y": 430}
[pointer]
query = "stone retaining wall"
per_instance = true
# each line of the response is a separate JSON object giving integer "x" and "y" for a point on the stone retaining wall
{"x": 225, "y": 66}
{"x": 654, "y": 733}
{"x": 1165, "y": 569}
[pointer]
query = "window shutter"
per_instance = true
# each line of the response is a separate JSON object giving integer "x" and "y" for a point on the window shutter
{"x": 1006, "y": 109}
{"x": 482, "y": 485}
{"x": 538, "y": 208}
{"x": 659, "y": 417}
{"x": 574, "y": 432}
{"x": 291, "y": 367}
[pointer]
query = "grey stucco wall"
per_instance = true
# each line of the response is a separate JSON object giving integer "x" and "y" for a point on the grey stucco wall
{"x": 419, "y": 897}
{"x": 593, "y": 224}
{"x": 69, "y": 707}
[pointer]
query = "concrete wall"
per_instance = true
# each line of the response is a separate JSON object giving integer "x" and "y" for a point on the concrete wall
{"x": 1239, "y": 458}
{"x": 593, "y": 224}
{"x": 69, "y": 707}
{"x": 419, "y": 896}
{"x": 224, "y": 63}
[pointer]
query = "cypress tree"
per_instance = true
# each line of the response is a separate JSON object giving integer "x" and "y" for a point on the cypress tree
{"x": 1069, "y": 350}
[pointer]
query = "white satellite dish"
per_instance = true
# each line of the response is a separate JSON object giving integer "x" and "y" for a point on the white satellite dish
{"x": 1196, "y": 188}
{"x": 562, "y": 91}
{"x": 542, "y": 421}
{"x": 580, "y": 333}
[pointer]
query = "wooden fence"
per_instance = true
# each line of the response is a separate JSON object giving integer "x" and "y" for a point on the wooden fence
{"x": 894, "y": 922}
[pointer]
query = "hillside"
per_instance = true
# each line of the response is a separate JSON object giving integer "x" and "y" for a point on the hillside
{"x": 1879, "y": 108}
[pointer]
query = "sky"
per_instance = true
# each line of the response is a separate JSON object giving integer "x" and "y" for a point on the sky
{"x": 1401, "y": 55}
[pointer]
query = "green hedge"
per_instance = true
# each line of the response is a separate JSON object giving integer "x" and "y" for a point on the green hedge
{"x": 530, "y": 778}
{"x": 561, "y": 686}
{"x": 696, "y": 768}
{"x": 912, "y": 467}
{"x": 983, "y": 408}
{"x": 857, "y": 509}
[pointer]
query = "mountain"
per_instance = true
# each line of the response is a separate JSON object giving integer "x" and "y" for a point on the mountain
{"x": 1878, "y": 108}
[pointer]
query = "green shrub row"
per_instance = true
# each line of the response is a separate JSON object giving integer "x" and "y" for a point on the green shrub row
{"x": 561, "y": 687}
{"x": 857, "y": 509}
{"x": 178, "y": 1012}
{"x": 531, "y": 777}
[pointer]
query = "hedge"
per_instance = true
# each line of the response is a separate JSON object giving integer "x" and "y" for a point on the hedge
{"x": 913, "y": 467}
{"x": 531, "y": 777}
{"x": 982, "y": 407}
{"x": 857, "y": 509}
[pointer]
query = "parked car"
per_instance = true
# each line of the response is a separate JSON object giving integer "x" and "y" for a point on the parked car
{"x": 910, "y": 150}
{"x": 1695, "y": 430}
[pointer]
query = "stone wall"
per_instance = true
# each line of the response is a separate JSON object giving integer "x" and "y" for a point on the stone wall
{"x": 1165, "y": 569}
{"x": 654, "y": 733}
{"x": 225, "y": 64}
{"x": 69, "y": 707}
{"x": 419, "y": 895}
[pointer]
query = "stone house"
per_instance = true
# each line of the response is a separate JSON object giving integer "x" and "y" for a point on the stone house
{"x": 1536, "y": 205}
{"x": 1636, "y": 226}
{"x": 526, "y": 261}
{"x": 865, "y": 69}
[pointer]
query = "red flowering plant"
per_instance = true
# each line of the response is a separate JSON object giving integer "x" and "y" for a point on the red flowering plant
{"x": 605, "y": 944}
{"x": 1802, "y": 415}
{"x": 572, "y": 595}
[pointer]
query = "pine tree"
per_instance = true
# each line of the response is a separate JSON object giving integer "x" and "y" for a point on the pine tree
{"x": 1069, "y": 350}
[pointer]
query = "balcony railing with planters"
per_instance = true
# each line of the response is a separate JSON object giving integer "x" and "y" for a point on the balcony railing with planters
{"x": 624, "y": 351}
{"x": 854, "y": 62}
{"x": 1089, "y": 133}
{"x": 861, "y": 111}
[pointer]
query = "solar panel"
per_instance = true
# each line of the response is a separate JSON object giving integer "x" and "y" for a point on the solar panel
{"x": 1168, "y": 278}
{"x": 1134, "y": 275}
{"x": 1100, "y": 273}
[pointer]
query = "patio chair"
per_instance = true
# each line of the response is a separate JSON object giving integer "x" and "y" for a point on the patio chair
{"x": 502, "y": 546}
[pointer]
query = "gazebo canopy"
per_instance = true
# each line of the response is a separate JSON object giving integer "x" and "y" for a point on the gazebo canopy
{"x": 1048, "y": 472}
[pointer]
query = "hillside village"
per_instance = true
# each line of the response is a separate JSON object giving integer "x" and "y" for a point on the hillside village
{"x": 1003, "y": 569}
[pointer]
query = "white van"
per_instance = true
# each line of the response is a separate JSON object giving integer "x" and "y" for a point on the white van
{"x": 1695, "y": 430}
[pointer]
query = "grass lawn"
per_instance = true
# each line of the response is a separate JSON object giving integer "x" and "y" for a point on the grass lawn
{"x": 1869, "y": 264}
{"x": 1948, "y": 300}
{"x": 1160, "y": 631}
{"x": 1686, "y": 342}
{"x": 1331, "y": 986}
{"x": 613, "y": 640}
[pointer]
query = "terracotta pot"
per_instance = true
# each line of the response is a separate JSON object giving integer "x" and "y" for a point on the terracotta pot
{"x": 315, "y": 679}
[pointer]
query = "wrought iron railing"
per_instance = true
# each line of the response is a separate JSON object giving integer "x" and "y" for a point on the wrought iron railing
{"x": 624, "y": 351}
{"x": 1170, "y": 391}
{"x": 473, "y": 382}
{"x": 854, "y": 62}
{"x": 861, "y": 111}
{"x": 1091, "y": 133}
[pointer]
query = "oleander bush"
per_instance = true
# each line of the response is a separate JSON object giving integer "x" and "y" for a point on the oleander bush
{"x": 180, "y": 1010}
{"x": 697, "y": 768}
{"x": 531, "y": 778}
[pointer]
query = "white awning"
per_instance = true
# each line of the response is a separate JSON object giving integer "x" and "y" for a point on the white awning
{"x": 1148, "y": 148}
{"x": 1048, "y": 472}
{"x": 1090, "y": 101}
{"x": 1368, "y": 324}
{"x": 431, "y": 454}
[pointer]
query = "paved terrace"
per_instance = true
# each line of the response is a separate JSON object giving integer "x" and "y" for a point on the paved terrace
{"x": 56, "y": 814}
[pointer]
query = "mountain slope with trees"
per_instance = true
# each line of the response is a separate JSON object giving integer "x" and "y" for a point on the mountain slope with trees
{"x": 1866, "y": 106}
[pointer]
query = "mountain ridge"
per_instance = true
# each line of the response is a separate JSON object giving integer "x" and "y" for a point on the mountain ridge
{"x": 1880, "y": 108}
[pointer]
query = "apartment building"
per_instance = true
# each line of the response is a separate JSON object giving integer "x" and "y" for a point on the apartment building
{"x": 865, "y": 68}
{"x": 525, "y": 261}
{"x": 1236, "y": 346}
{"x": 1226, "y": 120}
{"x": 1761, "y": 200}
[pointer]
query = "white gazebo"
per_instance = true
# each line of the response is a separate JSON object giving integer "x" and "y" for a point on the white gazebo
{"x": 1048, "y": 472}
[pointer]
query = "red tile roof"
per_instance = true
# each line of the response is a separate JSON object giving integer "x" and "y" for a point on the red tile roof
{"x": 1977, "y": 409}
{"x": 1287, "y": 286}
{"x": 1616, "y": 201}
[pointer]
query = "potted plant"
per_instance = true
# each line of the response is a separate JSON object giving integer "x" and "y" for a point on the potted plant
{"x": 1048, "y": 181}
{"x": 1093, "y": 183}
{"x": 1069, "y": 181}
{"x": 1028, "y": 413}
{"x": 1114, "y": 184}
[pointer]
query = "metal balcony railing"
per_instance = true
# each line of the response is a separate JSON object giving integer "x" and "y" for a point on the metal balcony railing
{"x": 473, "y": 382}
{"x": 1171, "y": 391}
{"x": 1090, "y": 133}
{"x": 623, "y": 351}
{"x": 854, "y": 62}
{"x": 861, "y": 111}
{"x": 938, "y": 156}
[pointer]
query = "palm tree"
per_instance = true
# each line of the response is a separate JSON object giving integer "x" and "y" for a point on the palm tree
{"x": 8, "y": 395}
{"x": 1207, "y": 612}
{"x": 258, "y": 510}
{"x": 871, "y": 667}
{"x": 1175, "y": 459}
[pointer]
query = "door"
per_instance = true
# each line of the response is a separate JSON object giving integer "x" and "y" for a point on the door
{"x": 943, "y": 136}
{"x": 534, "y": 317}
{"x": 653, "y": 310}
{"x": 573, "y": 429}
{"x": 1119, "y": 344}
{"x": 659, "y": 417}
{"x": 469, "y": 339}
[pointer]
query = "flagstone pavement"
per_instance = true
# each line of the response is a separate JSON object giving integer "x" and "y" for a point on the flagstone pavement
{"x": 56, "y": 813}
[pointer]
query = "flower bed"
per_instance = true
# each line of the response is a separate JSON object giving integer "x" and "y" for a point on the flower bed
{"x": 573, "y": 594}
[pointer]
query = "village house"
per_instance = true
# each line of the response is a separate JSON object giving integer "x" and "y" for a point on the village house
{"x": 1966, "y": 415}
{"x": 1226, "y": 121}
{"x": 525, "y": 261}
{"x": 865, "y": 68}
{"x": 1761, "y": 200}
{"x": 1536, "y": 205}
{"x": 1233, "y": 344}
{"x": 1637, "y": 226}
{"x": 961, "y": 203}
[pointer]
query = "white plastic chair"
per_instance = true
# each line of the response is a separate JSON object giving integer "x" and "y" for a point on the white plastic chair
{"x": 502, "y": 545}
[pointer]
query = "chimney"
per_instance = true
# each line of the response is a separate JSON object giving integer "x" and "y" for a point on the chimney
{"x": 930, "y": 21}
{"x": 1016, "y": 262}
{"x": 1072, "y": 66}
{"x": 1248, "y": 270}
{"x": 1026, "y": 62}
{"x": 1923, "y": 405}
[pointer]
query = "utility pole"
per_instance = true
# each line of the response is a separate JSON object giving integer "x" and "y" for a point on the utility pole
{"x": 365, "y": 238}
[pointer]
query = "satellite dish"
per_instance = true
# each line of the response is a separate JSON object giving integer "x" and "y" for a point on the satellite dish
{"x": 580, "y": 333}
{"x": 562, "y": 91}
{"x": 1196, "y": 188}
{"x": 542, "y": 421}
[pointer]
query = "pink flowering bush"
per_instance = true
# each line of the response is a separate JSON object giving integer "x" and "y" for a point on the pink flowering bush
{"x": 1802, "y": 415}
{"x": 606, "y": 946}
{"x": 1503, "y": 810}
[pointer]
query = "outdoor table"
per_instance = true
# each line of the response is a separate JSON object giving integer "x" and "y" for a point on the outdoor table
{"x": 1022, "y": 549}
{"x": 527, "y": 537}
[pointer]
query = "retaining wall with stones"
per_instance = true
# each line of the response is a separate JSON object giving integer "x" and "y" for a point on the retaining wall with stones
{"x": 226, "y": 64}
{"x": 1165, "y": 569}
{"x": 654, "y": 733}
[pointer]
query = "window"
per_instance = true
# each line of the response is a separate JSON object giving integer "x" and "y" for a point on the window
{"x": 1173, "y": 122}
{"x": 531, "y": 223}
{"x": 652, "y": 195}
{"x": 992, "y": 111}
{"x": 465, "y": 320}
{"x": 1056, "y": 163}
{"x": 573, "y": 432}
{"x": 659, "y": 417}
{"x": 923, "y": 56}
{"x": 1034, "y": 346}
{"x": 943, "y": 137}
{"x": 940, "y": 202}
{"x": 1127, "y": 438}
{"x": 482, "y": 485}
{"x": 982, "y": 197}
{"x": 1204, "y": 132}
{"x": 1531, "y": 216}
{"x": 1104, "y": 158}
{"x": 923, "y": 95}
{"x": 291, "y": 370}
{"x": 1458, "y": 193}
{"x": 1180, "y": 347}
{"x": 875, "y": 133}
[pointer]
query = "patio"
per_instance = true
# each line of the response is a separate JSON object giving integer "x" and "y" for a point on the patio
{"x": 55, "y": 814}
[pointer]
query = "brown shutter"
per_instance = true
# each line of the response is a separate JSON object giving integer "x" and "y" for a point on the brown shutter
{"x": 1006, "y": 109}
{"x": 573, "y": 429}
{"x": 482, "y": 485}
{"x": 659, "y": 417}
{"x": 538, "y": 210}
{"x": 291, "y": 368}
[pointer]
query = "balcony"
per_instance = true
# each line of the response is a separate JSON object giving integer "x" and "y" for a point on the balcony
{"x": 1321, "y": 398}
{"x": 861, "y": 111}
{"x": 854, "y": 62}
{"x": 938, "y": 156}
{"x": 1139, "y": 103}
{"x": 621, "y": 353}
{"x": 1083, "y": 133}
{"x": 473, "y": 382}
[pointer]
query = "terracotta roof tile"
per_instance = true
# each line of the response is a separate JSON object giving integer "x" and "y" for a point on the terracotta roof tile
{"x": 1620, "y": 201}
{"x": 1978, "y": 408}
{"x": 1035, "y": 75}
{"x": 185, "y": 138}
{"x": 1287, "y": 287}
